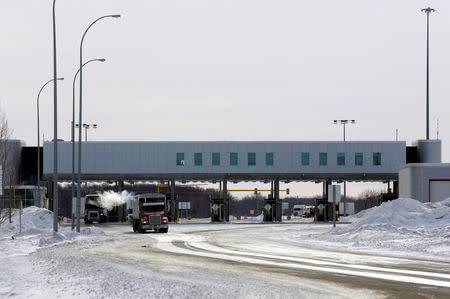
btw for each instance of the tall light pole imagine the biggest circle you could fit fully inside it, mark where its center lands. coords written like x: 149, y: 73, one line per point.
x: 73, y: 131
x: 55, y: 127
x: 428, y: 11
x: 86, y: 127
x: 80, y: 114
x: 37, y: 200
x: 344, y: 122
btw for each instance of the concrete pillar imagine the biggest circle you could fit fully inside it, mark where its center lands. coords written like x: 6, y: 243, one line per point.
x: 277, y: 200
x: 226, y: 202
x: 50, y: 193
x: 326, y: 183
x: 173, y: 207
x: 121, y: 209
x: 395, y: 187
x: 271, y: 189
x: 329, y: 211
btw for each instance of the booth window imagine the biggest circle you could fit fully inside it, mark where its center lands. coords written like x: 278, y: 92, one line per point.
x: 341, y: 159
x: 198, y: 159
x: 233, y: 159
x: 358, y: 159
x: 251, y: 159
x: 305, y: 159
x: 376, y: 158
x: 216, y: 159
x: 180, y: 159
x: 269, y: 159
x: 323, y: 159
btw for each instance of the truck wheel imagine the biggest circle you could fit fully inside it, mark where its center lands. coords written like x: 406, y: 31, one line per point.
x: 163, y: 230
x: 135, y: 226
x: 140, y: 229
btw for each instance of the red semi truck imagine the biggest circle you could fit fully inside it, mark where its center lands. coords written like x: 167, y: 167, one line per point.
x: 149, y: 212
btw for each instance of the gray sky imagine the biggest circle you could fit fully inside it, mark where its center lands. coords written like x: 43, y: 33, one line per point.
x: 229, y: 70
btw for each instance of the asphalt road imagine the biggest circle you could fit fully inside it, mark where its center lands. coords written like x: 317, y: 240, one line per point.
x: 229, y: 260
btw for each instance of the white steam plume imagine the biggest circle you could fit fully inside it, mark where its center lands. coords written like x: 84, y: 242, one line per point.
x: 110, y: 199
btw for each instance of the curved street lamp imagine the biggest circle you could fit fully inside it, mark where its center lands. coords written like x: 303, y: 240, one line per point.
x: 80, y: 116
x: 73, y: 129
x: 37, y: 201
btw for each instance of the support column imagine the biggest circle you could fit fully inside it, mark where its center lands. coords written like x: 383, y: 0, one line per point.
x: 277, y: 200
x: 345, y: 198
x: 121, y: 214
x: 173, y: 207
x: 326, y: 183
x: 395, y: 187
x: 50, y: 192
x: 226, y: 202
x: 271, y: 189
x: 328, y: 211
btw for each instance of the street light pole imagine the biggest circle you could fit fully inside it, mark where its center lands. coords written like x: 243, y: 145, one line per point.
x: 80, y: 114
x: 344, y: 122
x: 86, y: 127
x: 55, y: 128
x: 37, y: 200
x: 73, y: 133
x: 428, y: 10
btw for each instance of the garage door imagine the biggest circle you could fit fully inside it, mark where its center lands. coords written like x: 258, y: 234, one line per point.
x: 439, y: 190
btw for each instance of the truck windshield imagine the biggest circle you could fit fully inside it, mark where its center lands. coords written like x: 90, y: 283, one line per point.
x: 153, y: 208
x: 92, y: 207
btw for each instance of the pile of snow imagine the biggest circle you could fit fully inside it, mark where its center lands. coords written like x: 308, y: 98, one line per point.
x: 403, y: 215
x: 37, y: 229
x: 34, y: 220
x: 404, y: 227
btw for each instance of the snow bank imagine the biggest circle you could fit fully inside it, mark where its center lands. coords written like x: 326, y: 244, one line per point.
x: 37, y: 229
x: 34, y: 220
x: 403, y: 226
x: 404, y: 215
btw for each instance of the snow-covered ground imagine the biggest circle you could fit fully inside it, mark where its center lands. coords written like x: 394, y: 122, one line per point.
x: 238, y: 259
x: 402, y: 227
x: 18, y: 241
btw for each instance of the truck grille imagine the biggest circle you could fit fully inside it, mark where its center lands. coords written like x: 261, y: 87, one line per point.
x: 155, y: 219
x: 93, y: 214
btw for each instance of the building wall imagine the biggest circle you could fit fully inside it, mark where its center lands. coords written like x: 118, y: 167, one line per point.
x: 414, y: 179
x: 160, y: 157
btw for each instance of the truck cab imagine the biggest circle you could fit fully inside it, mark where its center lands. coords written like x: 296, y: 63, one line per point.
x: 299, y: 210
x: 93, y: 212
x: 149, y: 213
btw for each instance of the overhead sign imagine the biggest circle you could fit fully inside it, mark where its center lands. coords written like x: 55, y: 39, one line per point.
x: 184, y: 205
x: 337, y: 190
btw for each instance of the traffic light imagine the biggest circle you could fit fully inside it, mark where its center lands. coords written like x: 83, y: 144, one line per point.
x: 256, y: 191
x: 287, y: 191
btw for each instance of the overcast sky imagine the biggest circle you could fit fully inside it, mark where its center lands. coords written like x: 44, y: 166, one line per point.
x: 230, y: 69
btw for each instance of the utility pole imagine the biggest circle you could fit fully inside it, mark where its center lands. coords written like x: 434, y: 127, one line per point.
x: 344, y: 122
x: 437, y: 130
x: 428, y: 11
